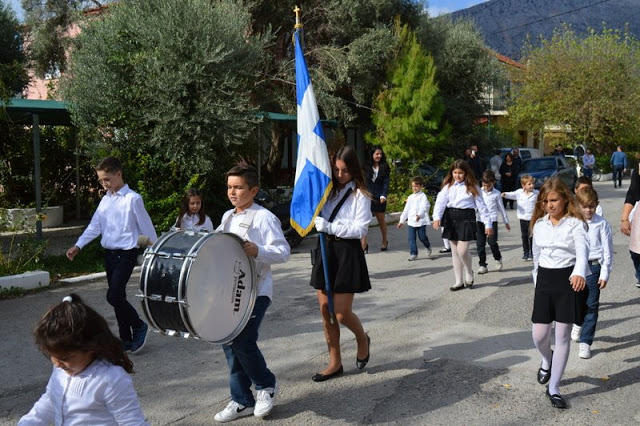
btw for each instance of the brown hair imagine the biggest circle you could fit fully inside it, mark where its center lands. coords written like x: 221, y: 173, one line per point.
x: 469, y: 179
x: 557, y: 185
x: 488, y: 177
x: 587, y: 197
x: 109, y: 165
x: 245, y: 170
x: 184, y: 208
x: 418, y: 180
x: 74, y: 326
x: 350, y: 158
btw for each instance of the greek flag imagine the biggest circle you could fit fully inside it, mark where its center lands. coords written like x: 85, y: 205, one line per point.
x: 313, y: 171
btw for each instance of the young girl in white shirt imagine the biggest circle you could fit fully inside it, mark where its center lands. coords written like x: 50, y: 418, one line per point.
x: 192, y: 216
x: 560, y: 266
x: 526, y: 198
x: 90, y: 382
x: 416, y: 214
x: 455, y: 209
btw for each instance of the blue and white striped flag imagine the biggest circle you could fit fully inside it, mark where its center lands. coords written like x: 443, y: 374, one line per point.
x: 313, y: 170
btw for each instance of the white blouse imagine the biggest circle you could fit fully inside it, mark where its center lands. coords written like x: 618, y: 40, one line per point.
x: 352, y: 220
x: 190, y: 223
x: 417, y: 206
x: 526, y: 202
x: 493, y: 201
x: 102, y: 394
x: 560, y: 246
x: 601, y: 245
x: 456, y: 196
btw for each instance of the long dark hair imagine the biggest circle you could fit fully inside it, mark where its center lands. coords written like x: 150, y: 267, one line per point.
x: 469, y: 179
x: 74, y: 326
x: 383, y: 168
x: 184, y: 207
x: 350, y: 158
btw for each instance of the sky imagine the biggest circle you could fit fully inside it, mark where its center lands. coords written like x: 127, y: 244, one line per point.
x: 436, y: 7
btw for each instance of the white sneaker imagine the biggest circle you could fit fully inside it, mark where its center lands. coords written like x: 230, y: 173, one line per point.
x: 232, y: 411
x: 482, y: 270
x: 499, y: 265
x: 412, y: 258
x: 429, y: 253
x: 638, y: 284
x: 575, y: 333
x: 585, y: 351
x: 264, y: 401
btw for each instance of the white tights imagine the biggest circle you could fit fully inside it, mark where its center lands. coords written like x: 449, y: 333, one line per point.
x: 542, y: 339
x: 461, y: 261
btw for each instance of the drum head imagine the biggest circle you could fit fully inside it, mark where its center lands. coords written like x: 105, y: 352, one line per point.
x: 221, y: 288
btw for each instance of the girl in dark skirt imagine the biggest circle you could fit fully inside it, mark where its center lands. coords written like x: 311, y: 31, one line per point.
x: 348, y: 273
x: 560, y: 266
x: 455, y: 210
x: 377, y: 175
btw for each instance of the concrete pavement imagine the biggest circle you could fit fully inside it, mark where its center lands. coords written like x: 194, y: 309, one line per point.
x: 437, y: 357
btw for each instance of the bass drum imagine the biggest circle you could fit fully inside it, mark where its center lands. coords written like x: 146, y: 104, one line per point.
x: 198, y: 285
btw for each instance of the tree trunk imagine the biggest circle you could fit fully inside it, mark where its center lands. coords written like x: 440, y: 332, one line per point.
x: 276, y: 151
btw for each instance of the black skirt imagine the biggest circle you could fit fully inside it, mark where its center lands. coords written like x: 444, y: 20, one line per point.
x: 378, y: 207
x: 459, y: 224
x: 348, y: 272
x: 555, y: 299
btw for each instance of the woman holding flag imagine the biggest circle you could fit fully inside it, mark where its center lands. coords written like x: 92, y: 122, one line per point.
x: 344, y: 219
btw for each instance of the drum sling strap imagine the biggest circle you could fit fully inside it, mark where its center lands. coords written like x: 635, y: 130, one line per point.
x: 247, y: 220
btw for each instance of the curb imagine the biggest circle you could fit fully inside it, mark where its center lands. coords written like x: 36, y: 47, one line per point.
x: 90, y: 277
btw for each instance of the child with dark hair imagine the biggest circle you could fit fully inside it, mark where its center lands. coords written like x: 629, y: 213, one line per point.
x: 493, y: 201
x: 192, y: 216
x: 416, y: 215
x: 585, y: 182
x: 123, y: 222
x: 90, y: 382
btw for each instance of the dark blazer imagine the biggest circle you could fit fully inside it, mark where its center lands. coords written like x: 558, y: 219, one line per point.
x: 381, y: 185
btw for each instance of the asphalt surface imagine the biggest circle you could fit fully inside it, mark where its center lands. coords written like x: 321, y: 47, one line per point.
x: 437, y: 357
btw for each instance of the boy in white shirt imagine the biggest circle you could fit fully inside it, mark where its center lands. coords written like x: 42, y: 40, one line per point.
x: 600, y: 261
x: 526, y: 198
x: 416, y: 214
x: 492, y: 200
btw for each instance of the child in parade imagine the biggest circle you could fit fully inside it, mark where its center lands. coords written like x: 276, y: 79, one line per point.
x: 455, y: 209
x: 122, y: 221
x: 345, y: 219
x: 90, y: 382
x: 416, y: 214
x: 192, y: 216
x: 493, y: 201
x: 560, y: 266
x: 263, y: 240
x: 586, y: 182
x: 600, y: 262
x: 526, y: 198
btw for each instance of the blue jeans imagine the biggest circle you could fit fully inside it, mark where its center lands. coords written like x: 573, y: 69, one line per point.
x: 635, y: 257
x: 246, y: 363
x: 482, y: 240
x: 422, y: 234
x: 119, y: 266
x: 593, y: 303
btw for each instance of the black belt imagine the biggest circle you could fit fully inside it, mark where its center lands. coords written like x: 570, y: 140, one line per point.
x: 333, y: 238
x: 118, y: 251
x: 458, y: 210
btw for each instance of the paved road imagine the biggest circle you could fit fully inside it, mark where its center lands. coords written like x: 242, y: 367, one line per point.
x: 437, y: 357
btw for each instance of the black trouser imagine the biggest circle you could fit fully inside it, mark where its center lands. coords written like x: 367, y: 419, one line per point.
x: 617, y: 175
x: 119, y: 266
x: 493, y: 243
x: 526, y: 240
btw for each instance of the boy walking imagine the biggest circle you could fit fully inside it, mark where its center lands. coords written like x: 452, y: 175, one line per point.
x: 493, y: 201
x: 416, y: 214
x: 526, y: 198
x: 600, y: 263
x: 264, y: 241
x: 121, y: 219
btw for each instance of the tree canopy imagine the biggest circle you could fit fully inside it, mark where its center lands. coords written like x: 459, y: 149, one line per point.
x: 13, y: 73
x: 591, y: 85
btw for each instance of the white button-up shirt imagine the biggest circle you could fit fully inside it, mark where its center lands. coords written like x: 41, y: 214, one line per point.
x: 493, y: 201
x: 121, y: 219
x: 416, y: 210
x: 560, y: 246
x: 190, y: 223
x: 601, y: 245
x: 456, y: 196
x: 353, y: 218
x: 526, y: 202
x: 102, y: 394
x: 266, y: 232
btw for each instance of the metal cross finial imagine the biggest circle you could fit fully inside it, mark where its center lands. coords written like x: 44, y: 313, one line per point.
x: 297, y: 11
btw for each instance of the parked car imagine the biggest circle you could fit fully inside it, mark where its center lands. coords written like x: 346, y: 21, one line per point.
x: 525, y: 153
x: 544, y: 168
x: 574, y: 161
x: 433, y: 176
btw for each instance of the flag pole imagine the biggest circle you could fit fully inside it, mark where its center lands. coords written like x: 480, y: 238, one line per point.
x: 321, y: 235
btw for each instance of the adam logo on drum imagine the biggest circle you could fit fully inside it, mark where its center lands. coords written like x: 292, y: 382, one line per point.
x: 238, y: 286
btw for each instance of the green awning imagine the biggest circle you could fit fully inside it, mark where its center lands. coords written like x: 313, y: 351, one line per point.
x: 50, y: 112
x: 278, y: 116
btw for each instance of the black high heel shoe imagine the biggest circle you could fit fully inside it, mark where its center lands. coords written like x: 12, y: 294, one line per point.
x: 366, y: 249
x: 361, y: 363
x: 319, y: 377
x: 384, y: 247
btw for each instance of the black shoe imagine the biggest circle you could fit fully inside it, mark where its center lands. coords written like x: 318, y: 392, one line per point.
x: 469, y: 285
x: 319, y: 377
x: 366, y: 249
x: 456, y: 287
x: 545, y: 375
x: 361, y: 363
x: 384, y: 247
x: 445, y: 250
x: 556, y: 400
